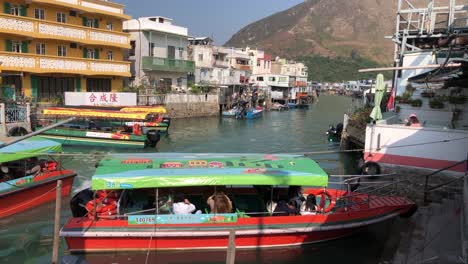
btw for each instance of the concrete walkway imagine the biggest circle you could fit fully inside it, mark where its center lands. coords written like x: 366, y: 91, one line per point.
x: 434, y: 234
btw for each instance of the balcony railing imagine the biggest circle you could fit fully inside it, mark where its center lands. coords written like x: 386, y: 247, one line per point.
x: 220, y: 63
x: 35, y: 28
x: 167, y: 65
x: 91, y: 6
x: 26, y: 62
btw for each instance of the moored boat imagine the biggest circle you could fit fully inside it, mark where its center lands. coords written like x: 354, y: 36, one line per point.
x: 27, y: 181
x: 134, y: 202
x: 98, y: 127
x: 231, y: 112
x: 279, y: 107
x: 254, y: 113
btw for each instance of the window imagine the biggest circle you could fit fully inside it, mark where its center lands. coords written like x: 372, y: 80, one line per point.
x: 132, y: 48
x: 39, y: 13
x: 200, y: 57
x: 61, y: 17
x: 15, y: 10
x: 72, y: 13
x: 40, y: 48
x: 260, y: 78
x: 90, y: 23
x: 258, y: 63
x: 110, y: 55
x: 181, y: 53
x: 62, y: 50
x: 161, y: 20
x: 271, y: 79
x: 91, y: 54
x: 16, y: 46
x: 109, y: 26
x: 151, y: 49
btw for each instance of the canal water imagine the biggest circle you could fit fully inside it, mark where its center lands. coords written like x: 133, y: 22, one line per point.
x: 27, y: 237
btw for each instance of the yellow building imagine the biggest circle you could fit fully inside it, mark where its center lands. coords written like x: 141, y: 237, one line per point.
x: 48, y: 47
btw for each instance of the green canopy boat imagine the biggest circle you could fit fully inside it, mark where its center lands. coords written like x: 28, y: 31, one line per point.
x: 181, y: 170
x: 31, y: 147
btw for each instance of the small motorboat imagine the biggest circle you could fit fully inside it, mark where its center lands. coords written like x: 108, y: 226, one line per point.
x: 254, y: 113
x: 231, y: 113
x: 334, y: 133
x: 279, y: 107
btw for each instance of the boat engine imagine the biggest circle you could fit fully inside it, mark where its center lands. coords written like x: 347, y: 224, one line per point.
x: 334, y: 133
x: 79, y: 201
x: 152, y: 138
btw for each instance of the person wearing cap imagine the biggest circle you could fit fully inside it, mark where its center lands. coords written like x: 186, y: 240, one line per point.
x: 413, y: 121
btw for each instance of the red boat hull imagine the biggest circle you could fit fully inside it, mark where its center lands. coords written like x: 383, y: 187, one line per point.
x: 103, y: 235
x: 36, y: 194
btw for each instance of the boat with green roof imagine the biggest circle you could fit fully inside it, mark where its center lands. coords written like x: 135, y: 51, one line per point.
x: 131, y: 203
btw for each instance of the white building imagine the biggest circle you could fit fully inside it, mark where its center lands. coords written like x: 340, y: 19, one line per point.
x: 217, y: 66
x: 159, y: 53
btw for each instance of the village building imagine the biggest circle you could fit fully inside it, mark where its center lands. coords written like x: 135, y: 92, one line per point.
x: 159, y: 53
x: 51, y: 47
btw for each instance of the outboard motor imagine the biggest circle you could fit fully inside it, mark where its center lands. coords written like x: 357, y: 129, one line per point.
x: 152, y: 138
x: 79, y: 201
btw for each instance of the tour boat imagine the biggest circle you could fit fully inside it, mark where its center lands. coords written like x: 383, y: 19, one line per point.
x: 128, y: 207
x: 27, y: 181
x: 98, y: 127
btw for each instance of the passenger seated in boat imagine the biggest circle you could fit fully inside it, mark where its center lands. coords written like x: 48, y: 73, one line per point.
x: 34, y: 166
x: 285, y: 209
x: 295, y: 195
x: 219, y: 203
x: 5, y: 174
x: 182, y: 205
x: 310, y: 205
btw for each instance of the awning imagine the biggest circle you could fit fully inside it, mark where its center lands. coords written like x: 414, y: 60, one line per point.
x: 132, y: 171
x: 31, y: 147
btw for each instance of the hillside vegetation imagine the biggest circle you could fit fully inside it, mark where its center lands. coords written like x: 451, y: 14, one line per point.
x: 328, y: 69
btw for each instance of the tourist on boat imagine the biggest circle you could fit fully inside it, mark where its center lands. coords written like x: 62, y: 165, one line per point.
x: 413, y: 121
x: 182, y: 205
x: 295, y: 195
x: 219, y: 203
x: 5, y: 173
x: 285, y: 209
x: 310, y: 205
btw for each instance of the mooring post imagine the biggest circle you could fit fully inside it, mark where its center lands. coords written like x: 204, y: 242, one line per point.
x: 231, y: 251
x: 58, y: 208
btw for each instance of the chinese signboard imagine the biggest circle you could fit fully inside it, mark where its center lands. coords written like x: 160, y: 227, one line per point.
x: 100, y: 99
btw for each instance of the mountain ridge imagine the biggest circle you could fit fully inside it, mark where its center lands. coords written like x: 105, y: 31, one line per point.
x: 329, y: 28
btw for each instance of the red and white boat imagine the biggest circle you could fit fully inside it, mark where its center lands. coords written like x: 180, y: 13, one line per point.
x: 26, y: 181
x: 134, y: 211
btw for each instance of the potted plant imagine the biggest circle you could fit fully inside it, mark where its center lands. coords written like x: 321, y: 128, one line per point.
x: 457, y: 99
x: 416, y: 103
x: 436, y: 102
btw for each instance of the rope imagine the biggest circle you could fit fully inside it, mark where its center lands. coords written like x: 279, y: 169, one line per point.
x: 30, y: 201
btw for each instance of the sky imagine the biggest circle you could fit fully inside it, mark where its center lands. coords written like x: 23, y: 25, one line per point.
x: 219, y: 19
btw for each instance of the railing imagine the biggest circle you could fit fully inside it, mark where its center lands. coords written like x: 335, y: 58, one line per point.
x: 428, y: 189
x: 219, y: 63
x: 167, y: 65
x: 30, y: 27
x: 54, y: 64
x: 16, y: 113
x: 102, y: 7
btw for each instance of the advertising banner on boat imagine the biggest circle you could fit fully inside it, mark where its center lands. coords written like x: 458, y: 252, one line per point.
x: 182, y: 219
x: 100, y: 99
